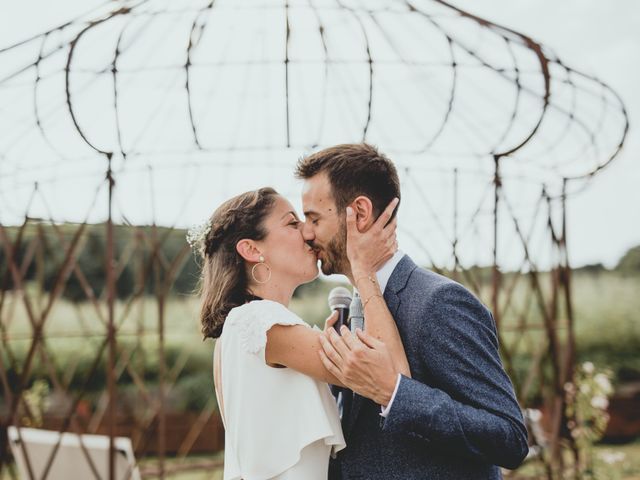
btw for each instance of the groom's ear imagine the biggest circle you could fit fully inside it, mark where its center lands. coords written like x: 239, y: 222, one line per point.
x: 248, y: 250
x: 363, y: 209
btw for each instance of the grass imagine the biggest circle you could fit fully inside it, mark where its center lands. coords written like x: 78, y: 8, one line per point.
x: 612, y: 462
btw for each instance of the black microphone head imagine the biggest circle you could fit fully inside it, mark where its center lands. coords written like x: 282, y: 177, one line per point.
x: 339, y: 297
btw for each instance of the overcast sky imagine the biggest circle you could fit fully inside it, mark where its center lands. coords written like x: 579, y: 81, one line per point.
x: 602, y: 38
x: 598, y: 37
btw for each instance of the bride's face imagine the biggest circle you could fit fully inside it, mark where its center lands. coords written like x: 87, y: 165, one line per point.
x: 284, y: 248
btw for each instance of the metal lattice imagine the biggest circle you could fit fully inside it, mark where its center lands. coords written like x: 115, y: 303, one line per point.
x: 151, y: 113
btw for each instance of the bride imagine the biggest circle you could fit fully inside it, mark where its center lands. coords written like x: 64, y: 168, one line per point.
x: 281, y: 420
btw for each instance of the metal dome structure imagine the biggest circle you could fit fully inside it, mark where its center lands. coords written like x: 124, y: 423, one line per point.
x: 150, y: 112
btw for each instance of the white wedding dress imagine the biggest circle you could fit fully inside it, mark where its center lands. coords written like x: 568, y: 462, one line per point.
x: 279, y: 423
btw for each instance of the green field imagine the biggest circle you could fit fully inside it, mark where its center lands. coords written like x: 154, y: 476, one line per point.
x: 606, y: 307
x: 607, y: 323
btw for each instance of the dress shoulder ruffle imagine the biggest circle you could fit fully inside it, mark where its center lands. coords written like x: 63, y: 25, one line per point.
x: 254, y: 319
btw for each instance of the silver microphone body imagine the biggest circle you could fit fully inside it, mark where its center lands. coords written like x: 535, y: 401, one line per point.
x: 356, y: 313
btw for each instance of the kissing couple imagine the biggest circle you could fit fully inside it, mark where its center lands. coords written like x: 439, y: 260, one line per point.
x: 424, y: 394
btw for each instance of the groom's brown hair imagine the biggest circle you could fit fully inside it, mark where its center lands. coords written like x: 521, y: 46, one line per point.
x: 354, y: 169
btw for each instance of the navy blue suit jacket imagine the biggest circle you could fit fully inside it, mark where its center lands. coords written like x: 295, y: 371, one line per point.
x: 457, y: 417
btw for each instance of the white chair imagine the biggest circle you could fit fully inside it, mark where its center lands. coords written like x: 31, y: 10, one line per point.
x: 70, y: 461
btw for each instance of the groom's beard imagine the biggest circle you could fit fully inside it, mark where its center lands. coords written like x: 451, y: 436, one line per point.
x: 334, y: 255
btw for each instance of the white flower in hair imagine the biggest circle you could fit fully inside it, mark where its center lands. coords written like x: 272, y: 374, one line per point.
x: 197, y: 235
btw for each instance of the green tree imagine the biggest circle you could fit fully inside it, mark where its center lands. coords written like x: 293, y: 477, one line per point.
x: 630, y: 262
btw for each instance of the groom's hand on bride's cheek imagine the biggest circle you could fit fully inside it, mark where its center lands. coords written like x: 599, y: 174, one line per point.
x: 360, y: 362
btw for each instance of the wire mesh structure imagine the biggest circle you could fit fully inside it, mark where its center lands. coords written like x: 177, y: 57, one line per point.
x: 149, y: 113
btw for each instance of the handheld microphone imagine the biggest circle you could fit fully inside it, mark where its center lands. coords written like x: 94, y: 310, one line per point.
x: 356, y: 314
x: 339, y: 300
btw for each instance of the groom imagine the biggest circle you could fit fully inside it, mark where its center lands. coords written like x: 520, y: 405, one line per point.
x: 457, y: 416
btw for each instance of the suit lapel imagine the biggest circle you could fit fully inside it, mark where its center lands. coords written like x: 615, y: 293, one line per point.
x: 397, y: 282
x: 393, y: 301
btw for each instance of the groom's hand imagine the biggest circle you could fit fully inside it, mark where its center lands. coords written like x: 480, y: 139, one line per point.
x: 361, y: 362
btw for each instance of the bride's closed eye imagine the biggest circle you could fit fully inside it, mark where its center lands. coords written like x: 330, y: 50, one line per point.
x: 294, y: 222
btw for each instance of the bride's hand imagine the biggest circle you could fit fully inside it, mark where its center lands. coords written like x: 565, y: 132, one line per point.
x: 368, y: 251
x: 330, y: 321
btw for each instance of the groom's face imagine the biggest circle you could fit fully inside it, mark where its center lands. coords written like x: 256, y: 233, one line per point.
x: 325, y: 227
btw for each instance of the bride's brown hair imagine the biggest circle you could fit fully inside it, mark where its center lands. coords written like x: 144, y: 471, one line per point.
x: 224, y: 281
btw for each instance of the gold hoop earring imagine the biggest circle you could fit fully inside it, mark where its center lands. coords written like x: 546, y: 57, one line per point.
x: 253, y: 271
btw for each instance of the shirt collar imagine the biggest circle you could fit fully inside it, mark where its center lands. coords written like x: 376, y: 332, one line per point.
x: 384, y: 273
